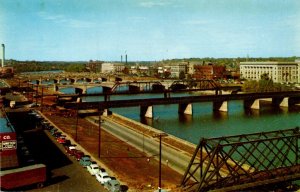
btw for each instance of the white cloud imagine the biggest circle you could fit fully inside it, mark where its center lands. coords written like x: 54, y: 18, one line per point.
x: 62, y: 19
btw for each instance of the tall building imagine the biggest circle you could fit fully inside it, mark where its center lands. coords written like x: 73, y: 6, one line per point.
x: 177, y: 68
x: 279, y: 72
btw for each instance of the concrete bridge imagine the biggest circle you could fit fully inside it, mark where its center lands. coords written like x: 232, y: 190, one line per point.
x: 185, y: 104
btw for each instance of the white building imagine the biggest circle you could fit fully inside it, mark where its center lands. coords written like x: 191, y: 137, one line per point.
x: 176, y: 68
x: 112, y: 67
x: 279, y: 72
x: 107, y: 67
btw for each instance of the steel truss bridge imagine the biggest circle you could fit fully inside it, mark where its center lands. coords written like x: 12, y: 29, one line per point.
x: 243, y: 162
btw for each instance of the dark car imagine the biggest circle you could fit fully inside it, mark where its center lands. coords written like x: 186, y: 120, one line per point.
x: 67, y: 143
x: 78, y: 154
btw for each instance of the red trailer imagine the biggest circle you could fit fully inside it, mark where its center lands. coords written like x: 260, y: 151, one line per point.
x: 19, y: 177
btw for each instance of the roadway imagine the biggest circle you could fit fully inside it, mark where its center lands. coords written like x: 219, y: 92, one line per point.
x: 177, y: 159
x: 173, y: 157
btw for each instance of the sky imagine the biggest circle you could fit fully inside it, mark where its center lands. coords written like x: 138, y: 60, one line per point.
x: 148, y: 30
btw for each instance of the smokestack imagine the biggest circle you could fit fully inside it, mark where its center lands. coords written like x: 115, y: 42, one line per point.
x: 121, y: 58
x: 126, y: 59
x: 3, y: 55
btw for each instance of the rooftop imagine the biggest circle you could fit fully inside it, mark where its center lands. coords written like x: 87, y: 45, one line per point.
x: 267, y: 63
x: 5, y: 125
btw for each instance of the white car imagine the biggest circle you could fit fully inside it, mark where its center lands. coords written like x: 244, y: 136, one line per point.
x: 93, y: 169
x: 102, y: 177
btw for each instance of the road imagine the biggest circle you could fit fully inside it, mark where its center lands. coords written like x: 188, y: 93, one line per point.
x: 174, y: 158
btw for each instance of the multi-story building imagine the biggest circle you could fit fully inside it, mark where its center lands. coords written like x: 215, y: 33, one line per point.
x: 279, y: 72
x: 177, y: 68
x: 112, y: 67
x: 208, y: 72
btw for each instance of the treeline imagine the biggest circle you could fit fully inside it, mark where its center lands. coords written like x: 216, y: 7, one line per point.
x: 81, y: 66
x: 25, y: 66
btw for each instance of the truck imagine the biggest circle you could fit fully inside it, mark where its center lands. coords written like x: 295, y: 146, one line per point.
x: 23, y: 176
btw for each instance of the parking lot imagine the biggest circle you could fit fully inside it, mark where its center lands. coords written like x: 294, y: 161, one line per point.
x: 64, y: 173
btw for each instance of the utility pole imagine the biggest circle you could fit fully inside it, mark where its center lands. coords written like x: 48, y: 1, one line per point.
x: 77, y: 108
x: 160, y: 135
x: 99, y: 135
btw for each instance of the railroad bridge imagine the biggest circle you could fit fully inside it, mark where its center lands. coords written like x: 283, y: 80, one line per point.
x: 243, y: 162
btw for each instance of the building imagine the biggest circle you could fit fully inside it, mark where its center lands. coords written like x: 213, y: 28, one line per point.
x: 8, y: 143
x: 112, y: 67
x: 208, y: 72
x: 279, y: 72
x: 178, y: 68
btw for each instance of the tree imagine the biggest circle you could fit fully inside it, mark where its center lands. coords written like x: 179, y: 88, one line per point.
x: 265, y: 76
x: 181, y: 75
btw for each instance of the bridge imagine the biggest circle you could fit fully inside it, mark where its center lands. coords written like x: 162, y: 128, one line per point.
x: 138, y: 86
x: 243, y: 162
x: 220, y: 102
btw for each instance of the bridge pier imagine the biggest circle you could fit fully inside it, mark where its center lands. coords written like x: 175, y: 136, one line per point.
x: 280, y: 102
x: 220, y: 106
x: 84, y: 90
x: 251, y: 104
x: 106, y: 112
x: 185, y: 108
x: 167, y: 95
x: 146, y: 111
x: 55, y: 87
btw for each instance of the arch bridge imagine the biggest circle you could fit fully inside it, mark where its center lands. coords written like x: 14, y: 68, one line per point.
x: 243, y: 162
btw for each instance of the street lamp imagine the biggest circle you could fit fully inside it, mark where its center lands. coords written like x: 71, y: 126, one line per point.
x: 160, y: 135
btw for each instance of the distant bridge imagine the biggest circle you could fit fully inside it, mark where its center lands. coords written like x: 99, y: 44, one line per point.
x: 243, y: 162
x: 140, y: 87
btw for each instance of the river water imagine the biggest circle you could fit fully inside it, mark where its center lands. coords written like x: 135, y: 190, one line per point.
x: 204, y: 122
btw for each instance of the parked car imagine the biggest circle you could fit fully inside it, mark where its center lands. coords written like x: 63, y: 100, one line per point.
x: 70, y: 149
x: 67, y: 143
x: 85, y: 161
x: 102, y: 177
x: 93, y: 169
x: 61, y: 139
x: 57, y: 134
x: 53, y: 131
x: 78, y: 154
x: 112, y: 185
x: 102, y: 171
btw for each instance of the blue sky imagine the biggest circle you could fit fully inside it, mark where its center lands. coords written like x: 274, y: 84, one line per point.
x: 70, y: 30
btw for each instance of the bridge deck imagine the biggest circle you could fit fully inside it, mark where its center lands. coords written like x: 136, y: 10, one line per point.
x: 175, y: 100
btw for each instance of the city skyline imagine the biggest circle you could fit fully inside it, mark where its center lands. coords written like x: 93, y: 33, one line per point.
x: 148, y: 30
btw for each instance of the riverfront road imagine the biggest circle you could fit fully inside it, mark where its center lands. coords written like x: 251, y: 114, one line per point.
x: 173, y: 157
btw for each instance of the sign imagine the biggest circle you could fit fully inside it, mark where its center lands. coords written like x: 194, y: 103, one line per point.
x: 9, y: 145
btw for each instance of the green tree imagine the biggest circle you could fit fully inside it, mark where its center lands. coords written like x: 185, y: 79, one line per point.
x: 181, y: 75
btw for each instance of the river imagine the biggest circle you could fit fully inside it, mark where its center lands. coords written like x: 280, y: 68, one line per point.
x: 204, y: 122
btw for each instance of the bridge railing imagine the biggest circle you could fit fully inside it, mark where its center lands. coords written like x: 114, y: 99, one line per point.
x: 244, y: 161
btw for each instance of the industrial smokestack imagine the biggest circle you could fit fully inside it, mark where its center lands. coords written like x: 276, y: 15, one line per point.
x: 121, y: 58
x: 126, y: 59
x: 3, y: 55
